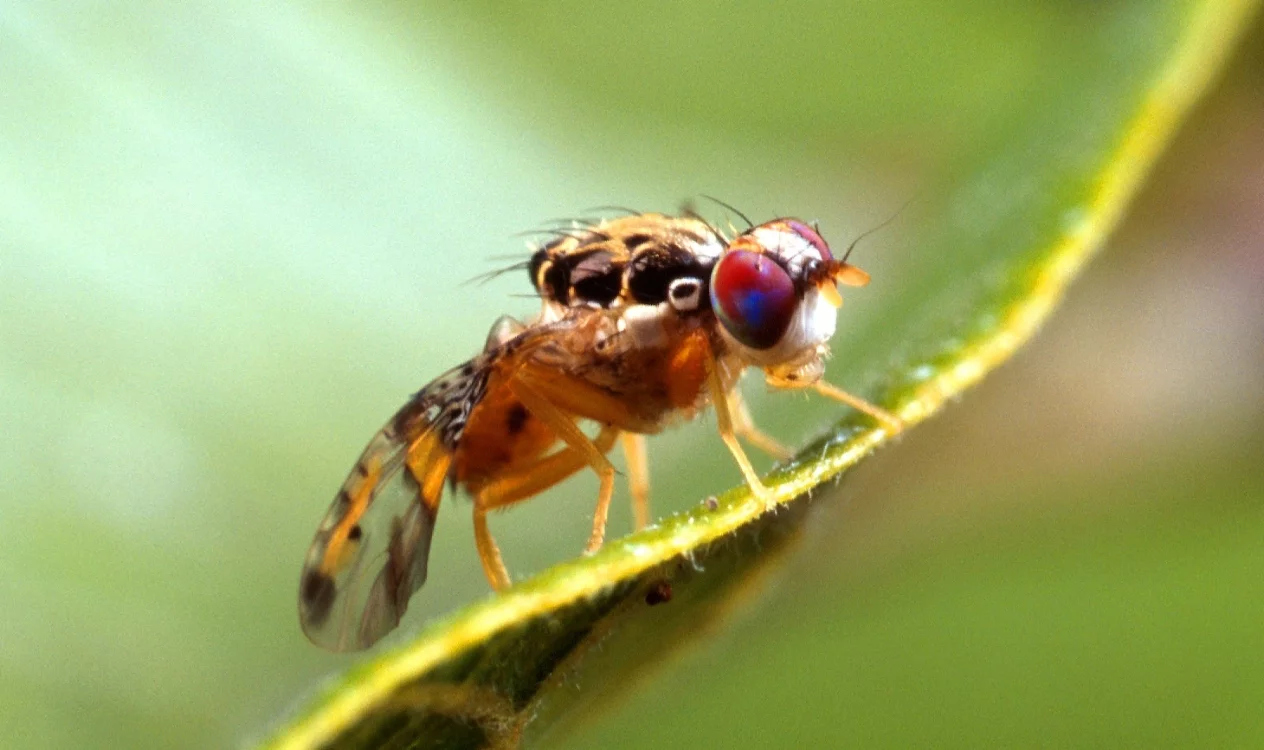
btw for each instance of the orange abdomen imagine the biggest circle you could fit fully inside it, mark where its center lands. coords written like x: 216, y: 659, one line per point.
x: 500, y: 435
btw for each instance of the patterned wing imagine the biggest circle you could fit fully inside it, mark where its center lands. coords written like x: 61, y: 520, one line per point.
x: 371, y: 550
x: 370, y: 553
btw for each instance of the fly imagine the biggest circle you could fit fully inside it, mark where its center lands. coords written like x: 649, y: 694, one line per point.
x: 645, y: 320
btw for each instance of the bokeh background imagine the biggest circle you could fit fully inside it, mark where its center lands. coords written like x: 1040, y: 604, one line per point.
x: 233, y: 238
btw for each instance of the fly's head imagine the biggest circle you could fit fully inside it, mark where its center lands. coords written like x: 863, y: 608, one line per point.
x: 775, y: 295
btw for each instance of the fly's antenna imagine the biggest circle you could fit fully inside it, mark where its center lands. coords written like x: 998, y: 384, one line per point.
x: 883, y: 225
x: 749, y: 224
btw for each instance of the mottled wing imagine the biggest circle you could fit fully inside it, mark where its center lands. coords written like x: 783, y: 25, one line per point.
x: 371, y: 550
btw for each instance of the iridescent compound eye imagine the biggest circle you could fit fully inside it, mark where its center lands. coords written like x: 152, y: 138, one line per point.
x: 753, y: 297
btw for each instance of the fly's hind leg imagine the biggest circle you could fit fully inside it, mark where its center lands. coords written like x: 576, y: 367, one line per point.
x: 488, y: 553
x: 520, y: 485
x: 638, y: 477
x: 565, y: 428
x: 891, y: 422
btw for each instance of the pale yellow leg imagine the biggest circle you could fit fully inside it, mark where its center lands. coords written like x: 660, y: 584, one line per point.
x: 893, y: 423
x: 569, y: 433
x: 638, y: 477
x: 724, y: 422
x: 488, y: 553
x: 745, y: 427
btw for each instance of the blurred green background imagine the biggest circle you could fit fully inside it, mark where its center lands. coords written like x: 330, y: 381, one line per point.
x: 232, y: 240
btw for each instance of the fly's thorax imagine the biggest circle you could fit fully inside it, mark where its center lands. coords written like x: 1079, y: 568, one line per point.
x: 634, y: 260
x: 629, y: 329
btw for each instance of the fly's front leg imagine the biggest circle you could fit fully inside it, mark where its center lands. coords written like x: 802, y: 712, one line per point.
x: 745, y: 427
x: 724, y: 423
x: 891, y: 422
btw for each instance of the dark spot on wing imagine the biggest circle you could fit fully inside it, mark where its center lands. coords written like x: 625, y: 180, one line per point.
x: 355, y: 533
x: 410, y: 416
x: 317, y: 595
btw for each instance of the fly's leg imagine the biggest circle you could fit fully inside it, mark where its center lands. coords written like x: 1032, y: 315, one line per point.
x: 638, y: 477
x: 569, y: 394
x: 520, y: 485
x: 724, y: 422
x: 745, y: 427
x: 893, y: 424
x: 566, y: 429
x: 488, y: 553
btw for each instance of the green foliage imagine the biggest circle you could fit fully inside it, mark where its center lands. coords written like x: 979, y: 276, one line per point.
x: 1000, y: 240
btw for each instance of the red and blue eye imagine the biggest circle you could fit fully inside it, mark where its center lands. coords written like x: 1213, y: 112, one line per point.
x: 753, y: 297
